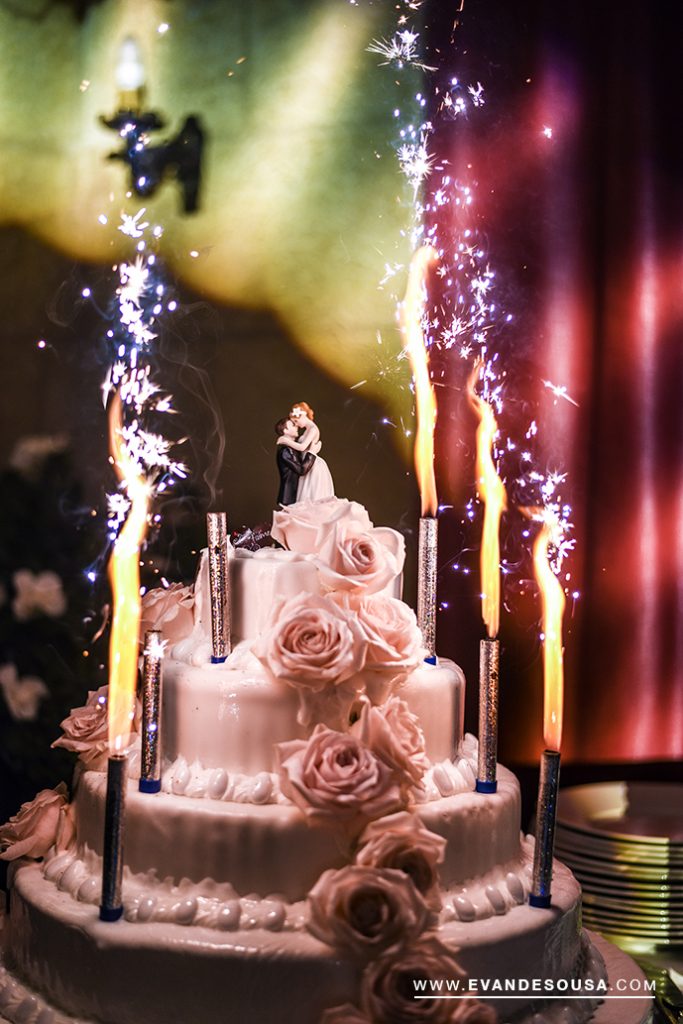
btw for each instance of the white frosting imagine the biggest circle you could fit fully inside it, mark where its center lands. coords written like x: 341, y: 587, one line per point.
x: 226, y: 716
x: 59, y: 942
x: 230, y: 716
x: 254, y: 848
x: 481, y: 829
x: 270, y: 848
x: 198, y: 782
x: 528, y: 942
x: 258, y: 579
x: 21, y: 1004
x: 217, y: 905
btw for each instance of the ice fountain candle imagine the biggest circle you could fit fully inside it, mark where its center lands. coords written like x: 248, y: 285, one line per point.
x: 411, y: 318
x: 124, y: 570
x: 217, y: 542
x: 491, y: 491
x: 553, y: 602
x: 150, y: 768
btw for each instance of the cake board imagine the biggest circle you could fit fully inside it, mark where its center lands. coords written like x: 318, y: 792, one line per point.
x: 621, y: 965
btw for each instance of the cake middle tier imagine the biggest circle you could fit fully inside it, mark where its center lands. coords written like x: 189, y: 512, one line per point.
x: 270, y: 849
x: 231, y: 716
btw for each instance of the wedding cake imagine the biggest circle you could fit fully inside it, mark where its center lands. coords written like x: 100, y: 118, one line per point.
x: 317, y: 853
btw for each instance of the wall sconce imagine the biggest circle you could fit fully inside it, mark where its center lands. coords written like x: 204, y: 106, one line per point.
x: 179, y: 157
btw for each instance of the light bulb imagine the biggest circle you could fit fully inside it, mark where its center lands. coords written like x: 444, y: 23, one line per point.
x: 130, y: 69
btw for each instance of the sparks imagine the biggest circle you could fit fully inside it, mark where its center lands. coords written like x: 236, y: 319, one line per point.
x: 469, y: 319
x: 155, y: 648
x: 131, y: 226
x: 401, y: 49
x: 148, y: 452
x: 415, y: 161
x: 560, y: 391
x: 134, y: 278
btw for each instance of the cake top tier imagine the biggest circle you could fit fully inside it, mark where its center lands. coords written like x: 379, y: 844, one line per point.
x: 327, y: 547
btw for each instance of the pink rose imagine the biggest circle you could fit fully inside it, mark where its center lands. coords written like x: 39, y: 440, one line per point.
x: 22, y: 696
x: 393, y: 732
x: 170, y: 609
x: 365, y: 911
x: 37, y: 594
x: 390, y: 984
x: 346, y: 1014
x: 39, y: 824
x: 334, y: 778
x: 85, y: 731
x: 304, y: 526
x: 395, y: 646
x: 471, y: 1011
x: 318, y: 648
x: 350, y: 553
x: 401, y: 842
x: 360, y: 561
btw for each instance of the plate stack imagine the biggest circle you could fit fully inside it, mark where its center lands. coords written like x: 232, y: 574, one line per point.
x: 624, y: 843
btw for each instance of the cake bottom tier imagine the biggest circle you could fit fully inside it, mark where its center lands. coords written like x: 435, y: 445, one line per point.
x: 163, y: 973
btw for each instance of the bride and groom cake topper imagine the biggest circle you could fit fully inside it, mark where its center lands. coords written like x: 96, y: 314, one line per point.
x: 304, y: 475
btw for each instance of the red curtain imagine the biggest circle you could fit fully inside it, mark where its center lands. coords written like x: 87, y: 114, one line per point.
x: 577, y: 165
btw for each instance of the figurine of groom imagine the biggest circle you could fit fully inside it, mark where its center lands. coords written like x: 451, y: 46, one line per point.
x: 291, y: 464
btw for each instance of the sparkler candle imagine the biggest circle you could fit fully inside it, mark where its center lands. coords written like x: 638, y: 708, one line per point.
x: 491, y: 491
x: 217, y: 539
x: 123, y: 652
x: 111, y: 905
x: 553, y: 601
x: 150, y: 773
x: 411, y: 314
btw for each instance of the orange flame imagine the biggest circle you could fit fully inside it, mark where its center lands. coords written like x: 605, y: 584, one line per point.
x: 411, y: 312
x: 553, y: 601
x: 490, y: 490
x: 124, y: 573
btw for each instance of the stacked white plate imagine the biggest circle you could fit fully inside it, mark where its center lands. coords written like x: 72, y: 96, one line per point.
x: 624, y: 843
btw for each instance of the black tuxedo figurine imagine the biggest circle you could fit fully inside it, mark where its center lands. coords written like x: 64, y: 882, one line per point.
x: 291, y: 464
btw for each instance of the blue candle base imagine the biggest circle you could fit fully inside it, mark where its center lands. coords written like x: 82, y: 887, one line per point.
x: 430, y: 659
x: 486, y: 787
x: 149, y: 785
x: 111, y: 913
x: 218, y: 661
x: 543, y: 902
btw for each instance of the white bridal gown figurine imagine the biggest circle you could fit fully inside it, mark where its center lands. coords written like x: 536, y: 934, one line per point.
x: 317, y: 483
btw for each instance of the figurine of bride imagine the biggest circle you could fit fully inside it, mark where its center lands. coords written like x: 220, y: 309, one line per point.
x: 318, y: 482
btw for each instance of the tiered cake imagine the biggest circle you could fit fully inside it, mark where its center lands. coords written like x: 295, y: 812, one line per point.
x: 317, y: 848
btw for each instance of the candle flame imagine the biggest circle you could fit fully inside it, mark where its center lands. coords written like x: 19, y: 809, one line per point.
x: 553, y: 602
x: 124, y: 572
x: 490, y: 490
x: 411, y: 313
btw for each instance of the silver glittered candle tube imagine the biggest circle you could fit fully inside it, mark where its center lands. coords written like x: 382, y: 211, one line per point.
x: 111, y: 906
x: 217, y: 540
x: 426, y: 583
x: 150, y: 771
x: 546, y: 814
x: 489, y: 655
